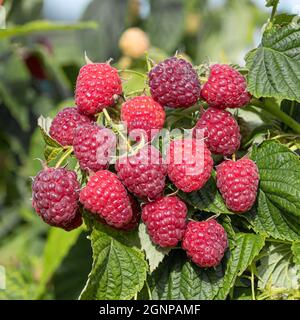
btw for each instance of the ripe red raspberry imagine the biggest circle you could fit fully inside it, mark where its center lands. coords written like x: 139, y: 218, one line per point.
x: 225, y: 88
x: 64, y: 123
x: 189, y: 164
x: 55, y: 194
x: 238, y: 183
x: 143, y: 113
x: 144, y: 173
x: 93, y: 146
x: 98, y: 86
x: 105, y: 196
x: 205, y: 242
x: 136, y: 215
x: 174, y: 83
x: 220, y: 130
x: 165, y: 220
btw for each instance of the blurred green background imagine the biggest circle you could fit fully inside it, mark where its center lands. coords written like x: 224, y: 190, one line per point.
x: 41, y: 51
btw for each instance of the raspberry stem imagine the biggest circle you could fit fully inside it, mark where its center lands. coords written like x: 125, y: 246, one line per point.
x: 115, y: 128
x: 64, y: 157
x: 273, y: 108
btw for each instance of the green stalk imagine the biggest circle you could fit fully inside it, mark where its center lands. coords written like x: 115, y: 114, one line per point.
x: 64, y: 156
x: 274, y: 109
x: 274, y: 10
x: 115, y: 128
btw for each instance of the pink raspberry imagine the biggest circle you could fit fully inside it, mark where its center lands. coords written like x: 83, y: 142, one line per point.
x: 220, y: 130
x: 205, y: 242
x: 98, y: 86
x: 65, y: 122
x: 165, y: 219
x: 174, y: 83
x: 190, y: 164
x: 225, y: 88
x: 144, y: 173
x: 93, y: 146
x: 105, y: 196
x: 143, y: 113
x: 55, y: 198
x: 238, y: 183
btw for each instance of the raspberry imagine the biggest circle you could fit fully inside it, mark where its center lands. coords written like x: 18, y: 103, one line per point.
x: 134, y: 42
x: 190, y: 164
x: 221, y: 131
x: 64, y: 123
x: 174, y: 83
x: 225, y: 88
x: 165, y: 220
x: 238, y: 182
x: 144, y: 173
x: 98, y: 86
x: 55, y: 198
x: 205, y: 242
x: 93, y: 146
x: 105, y: 196
x: 136, y: 215
x: 143, y: 113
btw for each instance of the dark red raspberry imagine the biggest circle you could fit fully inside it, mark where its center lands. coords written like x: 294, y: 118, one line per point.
x: 144, y: 173
x: 189, y: 164
x: 165, y: 220
x: 93, y: 146
x: 143, y: 113
x: 238, y: 183
x: 225, y: 88
x: 221, y: 131
x: 136, y: 215
x: 205, y: 242
x: 105, y: 196
x: 64, y: 123
x: 174, y: 83
x: 55, y: 194
x: 98, y: 86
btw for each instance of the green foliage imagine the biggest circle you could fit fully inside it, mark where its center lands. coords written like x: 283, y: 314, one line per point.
x: 42, y: 26
x: 57, y: 247
x: 207, y: 199
x: 119, y: 270
x: 278, y: 197
x: 165, y: 25
x: 153, y: 253
x: 277, y: 273
x: 274, y: 67
x: 178, y: 278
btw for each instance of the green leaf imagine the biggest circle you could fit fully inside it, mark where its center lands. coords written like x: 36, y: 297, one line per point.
x: 42, y: 26
x: 296, y: 252
x: 52, y: 148
x: 206, y: 199
x: 271, y: 3
x: 154, y: 254
x: 278, y: 205
x: 178, y: 278
x: 119, y: 270
x: 276, y: 269
x: 70, y: 277
x: 58, y: 244
x: 274, y: 67
x: 247, y: 247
